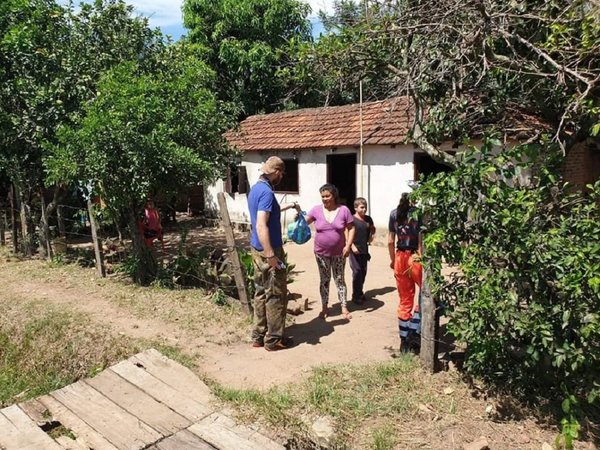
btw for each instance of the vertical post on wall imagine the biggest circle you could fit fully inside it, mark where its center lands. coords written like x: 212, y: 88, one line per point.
x: 429, y: 324
x: 236, y: 264
x: 97, y: 247
x: 361, y: 165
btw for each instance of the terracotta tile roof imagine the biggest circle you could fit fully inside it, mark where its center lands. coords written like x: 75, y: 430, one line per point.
x: 384, y: 122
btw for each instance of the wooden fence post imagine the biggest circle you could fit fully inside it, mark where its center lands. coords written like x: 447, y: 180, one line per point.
x: 97, y: 247
x: 236, y: 264
x: 429, y: 325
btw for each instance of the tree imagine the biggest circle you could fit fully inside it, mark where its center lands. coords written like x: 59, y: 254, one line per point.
x: 468, y: 65
x: 150, y: 129
x: 51, y: 59
x: 247, y: 43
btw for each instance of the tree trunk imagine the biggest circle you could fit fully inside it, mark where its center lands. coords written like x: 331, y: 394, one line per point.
x: 13, y: 218
x: 60, y: 217
x: 2, y: 227
x: 47, y: 211
x: 44, y: 248
x: 26, y: 222
x: 146, y: 268
x: 97, y: 245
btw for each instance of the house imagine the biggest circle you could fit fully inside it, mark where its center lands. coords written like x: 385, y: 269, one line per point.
x: 323, y: 145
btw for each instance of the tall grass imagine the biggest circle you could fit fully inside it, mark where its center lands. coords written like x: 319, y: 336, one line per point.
x: 43, y: 349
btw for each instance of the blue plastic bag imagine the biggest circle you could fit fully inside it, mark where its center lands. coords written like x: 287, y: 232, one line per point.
x: 299, y: 231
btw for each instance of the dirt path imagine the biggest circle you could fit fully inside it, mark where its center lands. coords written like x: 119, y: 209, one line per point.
x: 369, y: 336
x: 222, y: 350
x: 218, y: 341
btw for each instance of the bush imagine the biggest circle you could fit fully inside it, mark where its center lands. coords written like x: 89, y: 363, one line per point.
x: 525, y: 298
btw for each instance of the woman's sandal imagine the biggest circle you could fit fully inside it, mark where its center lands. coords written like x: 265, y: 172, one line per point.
x: 346, y: 314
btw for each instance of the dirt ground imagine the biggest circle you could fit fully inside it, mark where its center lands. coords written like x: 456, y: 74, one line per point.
x: 224, y: 354
x: 369, y: 336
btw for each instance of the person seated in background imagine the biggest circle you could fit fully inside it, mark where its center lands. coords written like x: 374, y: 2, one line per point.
x: 151, y: 226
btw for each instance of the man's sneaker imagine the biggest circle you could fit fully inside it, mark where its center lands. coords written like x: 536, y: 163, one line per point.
x: 282, y: 344
x: 259, y: 343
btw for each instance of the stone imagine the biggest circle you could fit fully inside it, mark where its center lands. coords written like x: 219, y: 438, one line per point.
x: 546, y: 446
x: 322, y: 432
x: 479, y: 444
x: 294, y: 308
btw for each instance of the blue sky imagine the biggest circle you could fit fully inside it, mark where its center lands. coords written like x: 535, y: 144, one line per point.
x: 166, y: 14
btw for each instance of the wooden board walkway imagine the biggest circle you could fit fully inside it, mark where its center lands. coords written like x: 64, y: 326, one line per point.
x: 146, y: 402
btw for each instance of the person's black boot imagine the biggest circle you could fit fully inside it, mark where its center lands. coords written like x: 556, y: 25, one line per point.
x: 404, y: 345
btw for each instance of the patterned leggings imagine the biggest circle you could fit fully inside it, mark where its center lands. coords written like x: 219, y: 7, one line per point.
x: 328, y: 266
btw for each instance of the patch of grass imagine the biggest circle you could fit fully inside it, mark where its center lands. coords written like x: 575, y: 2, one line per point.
x: 43, y: 349
x: 387, y: 393
x: 273, y: 405
x: 384, y: 438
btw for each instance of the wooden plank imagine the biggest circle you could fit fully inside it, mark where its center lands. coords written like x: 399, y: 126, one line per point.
x: 119, y: 427
x: 138, y: 403
x: 222, y: 432
x: 236, y: 264
x: 175, y: 375
x: 183, y: 439
x: 69, y: 444
x: 178, y: 402
x: 19, y: 432
x: 40, y: 414
x: 85, y: 434
x: 36, y: 411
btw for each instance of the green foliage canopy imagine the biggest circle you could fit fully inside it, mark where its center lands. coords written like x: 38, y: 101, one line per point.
x: 247, y: 43
x: 469, y: 65
x: 146, y: 131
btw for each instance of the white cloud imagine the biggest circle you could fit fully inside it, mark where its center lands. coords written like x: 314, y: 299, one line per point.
x: 163, y: 13
x: 317, y: 5
x: 160, y: 13
x: 168, y: 12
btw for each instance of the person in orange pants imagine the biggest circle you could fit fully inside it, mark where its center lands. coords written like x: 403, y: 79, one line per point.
x: 404, y: 244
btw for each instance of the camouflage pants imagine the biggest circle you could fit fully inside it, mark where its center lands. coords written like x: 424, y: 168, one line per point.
x: 270, y: 299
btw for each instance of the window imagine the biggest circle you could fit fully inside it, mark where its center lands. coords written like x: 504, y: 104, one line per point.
x: 290, y: 181
x: 237, y: 181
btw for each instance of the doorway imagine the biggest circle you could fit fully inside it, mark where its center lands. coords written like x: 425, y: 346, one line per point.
x: 425, y: 165
x: 341, y: 172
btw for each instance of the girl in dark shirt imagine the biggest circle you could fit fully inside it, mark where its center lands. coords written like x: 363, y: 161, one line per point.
x: 359, y: 257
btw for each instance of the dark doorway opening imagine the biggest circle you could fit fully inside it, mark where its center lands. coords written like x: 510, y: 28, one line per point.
x: 341, y: 172
x: 425, y: 165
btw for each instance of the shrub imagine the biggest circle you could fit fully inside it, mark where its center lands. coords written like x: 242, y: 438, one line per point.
x: 525, y: 297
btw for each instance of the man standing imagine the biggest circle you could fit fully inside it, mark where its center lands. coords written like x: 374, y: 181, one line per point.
x: 270, y: 299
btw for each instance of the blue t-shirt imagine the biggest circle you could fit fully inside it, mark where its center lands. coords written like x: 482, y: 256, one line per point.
x: 262, y: 198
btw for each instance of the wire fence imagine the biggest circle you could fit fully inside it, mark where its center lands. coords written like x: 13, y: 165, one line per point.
x: 190, y: 257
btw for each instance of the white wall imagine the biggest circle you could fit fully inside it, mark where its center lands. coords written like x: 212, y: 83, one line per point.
x: 386, y: 174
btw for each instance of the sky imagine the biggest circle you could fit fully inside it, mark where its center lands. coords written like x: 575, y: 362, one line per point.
x: 166, y: 14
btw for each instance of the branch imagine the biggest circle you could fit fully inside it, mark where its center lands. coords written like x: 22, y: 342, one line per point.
x: 423, y: 143
x: 548, y: 58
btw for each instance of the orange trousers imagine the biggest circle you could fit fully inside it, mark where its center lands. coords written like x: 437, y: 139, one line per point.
x: 407, y: 274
